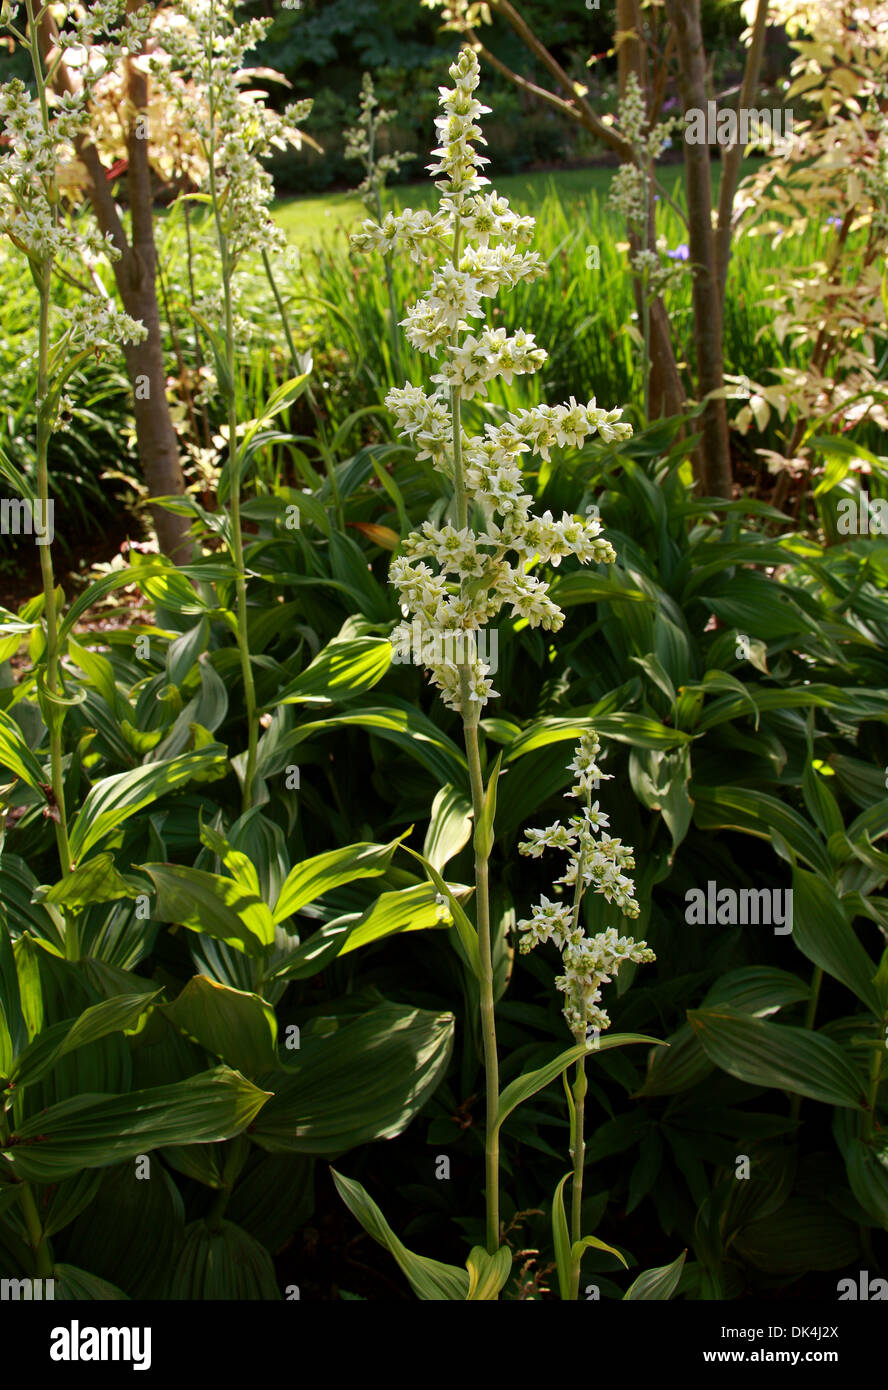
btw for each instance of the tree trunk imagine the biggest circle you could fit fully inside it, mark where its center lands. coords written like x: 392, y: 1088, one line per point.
x: 157, y: 440
x: 667, y: 393
x: 134, y: 274
x: 684, y: 15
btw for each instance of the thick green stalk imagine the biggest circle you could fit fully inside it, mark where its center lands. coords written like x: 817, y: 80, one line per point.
x: 488, y: 1019
x: 237, y: 540
x: 579, y: 1160
x: 243, y: 635
x: 482, y: 884
x: 579, y: 1099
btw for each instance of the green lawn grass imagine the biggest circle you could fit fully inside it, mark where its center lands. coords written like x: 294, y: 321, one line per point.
x: 320, y: 217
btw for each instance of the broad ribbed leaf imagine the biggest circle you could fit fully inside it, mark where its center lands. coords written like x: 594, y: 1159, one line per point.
x: 308, y: 880
x: 114, y: 799
x: 79, y: 1286
x: 771, y: 1054
x: 659, y: 1283
x: 821, y: 929
x: 867, y: 1166
x: 114, y: 1015
x: 805, y: 1234
x: 450, y: 826
x: 13, y: 1030
x: 561, y: 1241
x: 213, y: 904
x: 757, y: 989
x: 132, y: 1231
x: 94, y: 1131
x: 223, y: 1263
x: 758, y: 814
x: 94, y: 880
x: 429, y: 1279
x: 488, y: 1274
x: 417, y: 908
x: 363, y: 1078
x: 464, y: 928
x: 240, y: 1028
x: 402, y: 724
x: 16, y: 755
x: 341, y: 669
x: 523, y: 1087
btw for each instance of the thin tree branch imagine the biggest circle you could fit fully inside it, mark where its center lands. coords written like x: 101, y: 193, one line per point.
x: 733, y: 157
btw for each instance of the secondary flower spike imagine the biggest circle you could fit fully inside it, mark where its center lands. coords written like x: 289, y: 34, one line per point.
x: 456, y: 578
x: 596, y: 861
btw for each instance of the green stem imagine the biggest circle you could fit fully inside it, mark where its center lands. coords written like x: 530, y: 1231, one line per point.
x: 235, y: 1158
x: 810, y: 1014
x: 488, y: 1020
x: 55, y: 713
x: 579, y: 1160
x: 579, y: 1098
x: 285, y: 321
x: 36, y: 1238
x: 875, y: 1078
x: 482, y: 884
x: 237, y: 540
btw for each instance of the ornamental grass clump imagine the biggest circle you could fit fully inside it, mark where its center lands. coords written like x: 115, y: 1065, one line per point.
x: 453, y: 579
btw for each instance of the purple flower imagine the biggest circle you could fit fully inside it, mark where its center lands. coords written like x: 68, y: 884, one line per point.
x: 834, y: 222
x: 681, y: 253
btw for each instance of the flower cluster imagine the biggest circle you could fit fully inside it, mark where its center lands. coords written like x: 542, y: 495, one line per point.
x: 39, y: 141
x: 199, y: 65
x: 597, y: 862
x: 457, y: 578
x: 39, y: 136
x: 360, y: 143
x: 629, y: 192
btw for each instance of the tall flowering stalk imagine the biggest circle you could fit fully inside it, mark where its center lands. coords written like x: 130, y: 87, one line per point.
x: 596, y: 861
x: 204, y: 43
x: 453, y: 580
x: 632, y: 194
x: 39, y: 135
x: 362, y: 142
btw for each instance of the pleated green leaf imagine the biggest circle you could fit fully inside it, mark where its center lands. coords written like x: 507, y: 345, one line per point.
x: 94, y: 1131
x: 523, y: 1087
x: 659, y: 1283
x: 114, y: 799
x: 429, y: 1279
x: 237, y: 1026
x: 315, y: 876
x: 213, y: 904
x: 363, y: 1077
x: 771, y: 1054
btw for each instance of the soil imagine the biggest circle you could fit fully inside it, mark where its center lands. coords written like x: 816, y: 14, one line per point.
x: 72, y: 564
